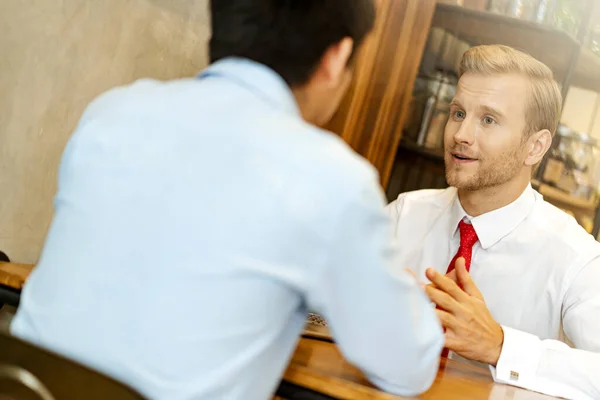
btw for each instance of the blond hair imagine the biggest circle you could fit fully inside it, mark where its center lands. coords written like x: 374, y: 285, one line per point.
x: 545, y: 100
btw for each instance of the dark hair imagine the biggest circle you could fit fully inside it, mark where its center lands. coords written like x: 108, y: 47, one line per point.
x: 289, y: 36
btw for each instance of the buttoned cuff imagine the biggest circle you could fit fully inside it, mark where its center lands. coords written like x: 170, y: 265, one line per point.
x: 519, y: 358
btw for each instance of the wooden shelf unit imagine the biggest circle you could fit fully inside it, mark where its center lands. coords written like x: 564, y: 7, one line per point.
x: 571, y: 63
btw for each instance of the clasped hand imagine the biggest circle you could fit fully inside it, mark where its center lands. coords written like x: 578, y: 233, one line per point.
x: 470, y: 329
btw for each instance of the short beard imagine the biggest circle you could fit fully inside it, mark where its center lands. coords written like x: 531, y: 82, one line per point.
x: 497, y: 171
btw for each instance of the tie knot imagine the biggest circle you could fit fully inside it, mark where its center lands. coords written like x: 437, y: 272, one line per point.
x: 468, y: 236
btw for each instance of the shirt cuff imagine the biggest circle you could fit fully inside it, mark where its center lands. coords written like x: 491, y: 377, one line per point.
x: 519, y: 358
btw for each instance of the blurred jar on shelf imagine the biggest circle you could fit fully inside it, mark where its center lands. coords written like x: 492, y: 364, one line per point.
x: 499, y: 6
x: 523, y: 9
x: 567, y: 15
x: 573, y: 164
x: 479, y: 5
x: 593, y: 39
x: 544, y: 11
x: 540, y: 11
x: 434, y: 134
x: 430, y: 109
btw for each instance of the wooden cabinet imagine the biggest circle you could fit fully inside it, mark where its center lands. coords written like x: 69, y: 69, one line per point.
x: 374, y: 110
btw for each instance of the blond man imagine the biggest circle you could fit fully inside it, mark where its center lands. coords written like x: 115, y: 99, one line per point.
x: 514, y: 278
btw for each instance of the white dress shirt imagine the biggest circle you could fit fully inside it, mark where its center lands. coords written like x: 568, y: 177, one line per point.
x: 539, y: 272
x: 196, y: 222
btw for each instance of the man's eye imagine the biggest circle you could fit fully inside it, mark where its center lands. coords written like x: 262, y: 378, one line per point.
x: 459, y: 114
x: 489, y: 121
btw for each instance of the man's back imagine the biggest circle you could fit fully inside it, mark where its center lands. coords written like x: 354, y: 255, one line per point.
x: 195, y: 223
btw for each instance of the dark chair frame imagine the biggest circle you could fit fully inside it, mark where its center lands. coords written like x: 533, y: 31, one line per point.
x: 45, y: 372
x: 8, y: 295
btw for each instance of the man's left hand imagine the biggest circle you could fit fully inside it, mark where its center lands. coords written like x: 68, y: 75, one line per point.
x: 471, y: 331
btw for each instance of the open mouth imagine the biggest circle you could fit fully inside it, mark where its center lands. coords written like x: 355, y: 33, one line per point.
x: 462, y: 158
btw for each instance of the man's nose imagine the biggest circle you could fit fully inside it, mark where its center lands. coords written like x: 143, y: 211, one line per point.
x: 466, y: 133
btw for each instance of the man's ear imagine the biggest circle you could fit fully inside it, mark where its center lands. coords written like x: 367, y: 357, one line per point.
x: 334, y: 63
x: 538, y: 144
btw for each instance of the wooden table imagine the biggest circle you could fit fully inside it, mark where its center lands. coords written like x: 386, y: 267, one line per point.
x: 318, y: 365
x: 14, y: 275
x: 12, y: 279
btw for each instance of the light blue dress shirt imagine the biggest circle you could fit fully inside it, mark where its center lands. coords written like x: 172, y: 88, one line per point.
x: 197, y: 221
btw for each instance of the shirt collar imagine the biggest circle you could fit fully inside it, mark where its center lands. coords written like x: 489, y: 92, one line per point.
x: 257, y: 78
x: 491, y: 227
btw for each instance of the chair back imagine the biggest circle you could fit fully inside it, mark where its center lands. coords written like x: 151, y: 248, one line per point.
x: 28, y: 372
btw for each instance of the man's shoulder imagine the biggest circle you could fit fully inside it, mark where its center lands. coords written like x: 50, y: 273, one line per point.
x: 324, y: 152
x: 563, y: 230
x: 138, y: 92
x: 346, y: 161
x: 350, y: 175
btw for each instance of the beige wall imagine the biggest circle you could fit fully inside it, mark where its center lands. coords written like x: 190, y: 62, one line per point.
x: 578, y: 112
x: 55, y: 56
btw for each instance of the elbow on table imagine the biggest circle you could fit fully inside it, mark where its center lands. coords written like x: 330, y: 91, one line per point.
x: 415, y: 379
x: 422, y: 376
x: 413, y: 370
x: 426, y: 358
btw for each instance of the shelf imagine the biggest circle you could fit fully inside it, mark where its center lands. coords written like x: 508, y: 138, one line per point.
x: 587, y: 72
x: 482, y: 27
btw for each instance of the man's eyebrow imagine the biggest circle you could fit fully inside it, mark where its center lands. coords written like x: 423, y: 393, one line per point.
x: 491, y: 110
x: 455, y: 102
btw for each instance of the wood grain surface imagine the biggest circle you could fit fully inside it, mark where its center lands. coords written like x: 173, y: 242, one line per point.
x: 14, y: 275
x: 318, y: 365
x: 374, y: 110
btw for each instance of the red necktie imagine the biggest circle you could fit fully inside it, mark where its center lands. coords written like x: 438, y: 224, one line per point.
x: 468, y: 238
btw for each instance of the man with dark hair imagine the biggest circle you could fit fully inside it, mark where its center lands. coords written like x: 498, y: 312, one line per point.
x: 197, y: 221
x: 292, y: 37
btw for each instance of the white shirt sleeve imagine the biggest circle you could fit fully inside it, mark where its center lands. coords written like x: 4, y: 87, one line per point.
x: 377, y: 313
x: 551, y: 366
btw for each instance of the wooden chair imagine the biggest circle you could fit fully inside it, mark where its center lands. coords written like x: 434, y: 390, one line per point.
x: 28, y: 372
